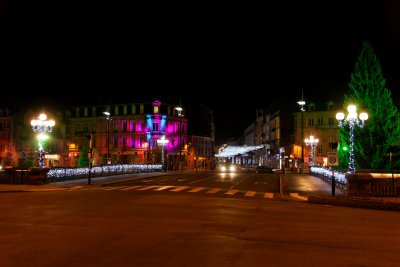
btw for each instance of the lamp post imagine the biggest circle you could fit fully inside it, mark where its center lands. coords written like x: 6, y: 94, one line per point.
x: 352, y: 119
x: 302, y: 103
x: 42, y: 126
x: 108, y: 137
x: 162, y: 142
x: 312, y: 143
x: 179, y: 109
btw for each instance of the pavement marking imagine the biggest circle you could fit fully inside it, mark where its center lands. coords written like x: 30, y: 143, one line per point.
x: 196, y: 190
x: 214, y: 190
x: 296, y: 195
x: 231, y: 192
x: 179, y: 189
x: 131, y: 187
x: 107, y: 188
x: 147, y: 187
x: 250, y: 194
x: 163, y: 188
x: 269, y: 195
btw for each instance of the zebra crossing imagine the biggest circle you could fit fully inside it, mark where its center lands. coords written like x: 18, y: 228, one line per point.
x: 188, y: 189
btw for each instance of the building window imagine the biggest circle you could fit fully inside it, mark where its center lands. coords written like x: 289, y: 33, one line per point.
x: 320, y: 121
x: 156, y: 109
x: 115, y: 142
x: 125, y: 109
x: 331, y: 121
x: 319, y: 150
x: 77, y: 112
x: 85, y: 112
x: 155, y: 127
x: 116, y: 110
x: 141, y: 108
x: 133, y: 109
x: 124, y: 126
x: 93, y: 111
x: 311, y: 122
x: 116, y: 126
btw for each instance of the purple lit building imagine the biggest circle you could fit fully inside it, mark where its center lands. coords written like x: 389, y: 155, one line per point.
x: 130, y: 132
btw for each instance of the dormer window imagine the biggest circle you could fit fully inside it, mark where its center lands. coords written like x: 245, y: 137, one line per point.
x: 156, y: 107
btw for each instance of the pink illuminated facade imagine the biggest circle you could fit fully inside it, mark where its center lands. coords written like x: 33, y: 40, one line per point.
x: 133, y: 130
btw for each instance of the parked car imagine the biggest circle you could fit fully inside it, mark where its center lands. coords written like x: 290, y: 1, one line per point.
x: 264, y: 169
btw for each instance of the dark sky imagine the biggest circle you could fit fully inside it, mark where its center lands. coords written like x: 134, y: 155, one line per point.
x: 234, y: 58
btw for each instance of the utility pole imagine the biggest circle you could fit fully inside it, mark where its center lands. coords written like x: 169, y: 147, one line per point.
x: 90, y: 155
x: 302, y: 103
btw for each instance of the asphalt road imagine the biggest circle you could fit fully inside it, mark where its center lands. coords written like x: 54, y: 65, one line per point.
x: 106, y: 227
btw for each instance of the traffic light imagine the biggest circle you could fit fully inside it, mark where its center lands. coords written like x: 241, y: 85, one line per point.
x: 333, y: 145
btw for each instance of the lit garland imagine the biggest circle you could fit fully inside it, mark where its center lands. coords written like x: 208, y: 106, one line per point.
x: 327, y: 175
x: 230, y: 151
x: 77, y: 173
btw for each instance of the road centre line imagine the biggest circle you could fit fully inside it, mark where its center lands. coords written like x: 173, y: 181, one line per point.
x: 203, y: 179
x: 244, y: 179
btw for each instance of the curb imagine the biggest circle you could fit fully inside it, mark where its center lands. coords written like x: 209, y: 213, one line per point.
x: 355, y: 202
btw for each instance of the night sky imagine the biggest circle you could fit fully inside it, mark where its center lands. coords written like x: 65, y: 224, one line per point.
x: 232, y: 58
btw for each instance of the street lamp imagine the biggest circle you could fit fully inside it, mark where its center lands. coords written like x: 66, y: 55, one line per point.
x: 312, y: 143
x: 42, y: 126
x: 162, y: 142
x: 302, y: 103
x: 108, y: 137
x: 352, y: 119
x: 179, y: 109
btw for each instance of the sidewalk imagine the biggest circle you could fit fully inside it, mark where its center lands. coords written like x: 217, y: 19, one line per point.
x: 381, y: 203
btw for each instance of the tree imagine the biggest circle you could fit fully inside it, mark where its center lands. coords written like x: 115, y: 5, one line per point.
x: 83, y: 160
x: 369, y: 92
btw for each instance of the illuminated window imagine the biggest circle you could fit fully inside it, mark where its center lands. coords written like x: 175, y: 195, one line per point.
x: 116, y: 110
x: 141, y: 108
x: 133, y: 109
x: 156, y: 109
x: 125, y: 109
x: 85, y: 112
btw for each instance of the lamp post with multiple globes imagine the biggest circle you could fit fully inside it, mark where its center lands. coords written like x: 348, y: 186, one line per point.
x: 312, y: 143
x: 352, y: 119
x: 162, y: 142
x: 41, y: 126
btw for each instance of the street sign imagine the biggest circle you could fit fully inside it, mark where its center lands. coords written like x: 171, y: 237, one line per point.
x: 333, y: 158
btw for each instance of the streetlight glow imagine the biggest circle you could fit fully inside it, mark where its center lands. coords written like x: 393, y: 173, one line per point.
x: 162, y: 142
x: 352, y: 120
x: 42, y: 126
x: 312, y: 143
